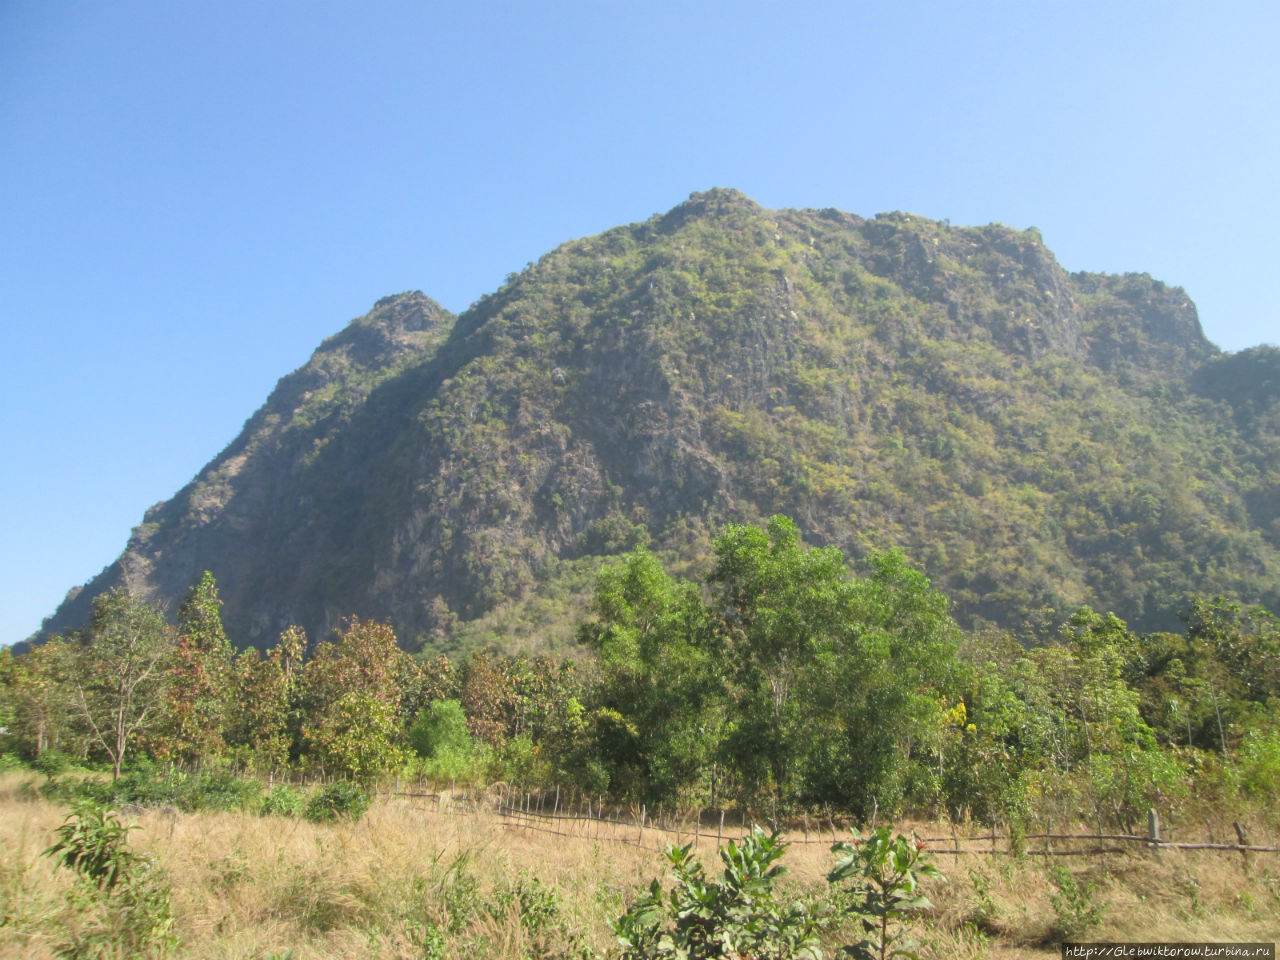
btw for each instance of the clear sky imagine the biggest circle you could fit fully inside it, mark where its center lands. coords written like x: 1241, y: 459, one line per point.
x: 194, y: 195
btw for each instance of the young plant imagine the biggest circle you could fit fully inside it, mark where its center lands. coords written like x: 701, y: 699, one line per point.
x: 741, y: 915
x: 122, y: 901
x: 1076, y: 907
x: 93, y: 844
x: 885, y: 874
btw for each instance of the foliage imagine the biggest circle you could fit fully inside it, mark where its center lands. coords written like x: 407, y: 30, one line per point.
x: 199, y: 682
x: 283, y: 800
x: 885, y: 874
x: 1033, y: 439
x: 741, y: 915
x: 791, y: 679
x: 339, y: 800
x: 144, y: 784
x: 535, y: 902
x: 118, y: 675
x: 122, y: 898
x: 1076, y: 907
x: 42, y: 713
x: 351, y: 697
x: 440, y: 727
x: 355, y: 737
x: 265, y: 717
x: 93, y: 844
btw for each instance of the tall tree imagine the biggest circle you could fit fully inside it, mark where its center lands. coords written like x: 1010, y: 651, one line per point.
x: 39, y: 710
x: 200, y: 690
x: 263, y: 720
x: 660, y: 717
x: 119, y: 675
x: 352, y: 697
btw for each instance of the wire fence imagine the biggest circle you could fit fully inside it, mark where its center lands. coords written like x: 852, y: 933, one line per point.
x: 580, y: 817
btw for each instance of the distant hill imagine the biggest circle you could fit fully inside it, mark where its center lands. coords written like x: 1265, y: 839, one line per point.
x: 1033, y: 439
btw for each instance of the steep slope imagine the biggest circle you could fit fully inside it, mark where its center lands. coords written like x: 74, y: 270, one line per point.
x: 259, y: 515
x: 1035, y: 439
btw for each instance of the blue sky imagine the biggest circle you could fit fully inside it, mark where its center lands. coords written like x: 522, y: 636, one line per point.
x: 195, y: 195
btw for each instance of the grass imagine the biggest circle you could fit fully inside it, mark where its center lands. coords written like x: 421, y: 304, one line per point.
x: 413, y: 881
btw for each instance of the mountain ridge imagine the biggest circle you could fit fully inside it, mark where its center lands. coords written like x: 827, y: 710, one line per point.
x: 892, y: 381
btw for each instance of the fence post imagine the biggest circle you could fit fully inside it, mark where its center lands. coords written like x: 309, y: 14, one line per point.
x: 720, y: 830
x: 640, y: 838
x: 1153, y: 829
x: 1244, y: 854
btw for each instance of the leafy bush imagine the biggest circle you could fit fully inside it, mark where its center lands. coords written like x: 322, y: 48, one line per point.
x: 1129, y: 782
x: 739, y: 916
x: 50, y: 763
x: 122, y: 901
x: 146, y: 785
x: 340, y: 800
x: 283, y: 801
x: 1075, y: 906
x: 885, y: 875
x: 93, y: 844
x: 518, y: 760
x: 1259, y: 763
x: 441, y: 726
x: 536, y: 903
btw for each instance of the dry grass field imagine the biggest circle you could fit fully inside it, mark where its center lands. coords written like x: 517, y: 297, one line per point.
x: 413, y: 881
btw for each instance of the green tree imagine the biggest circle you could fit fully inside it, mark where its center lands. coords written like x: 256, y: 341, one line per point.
x: 200, y: 687
x: 357, y: 737
x: 351, y: 699
x: 841, y: 686
x: 39, y: 700
x: 119, y: 675
x: 792, y: 679
x: 264, y: 715
x: 660, y: 701
x: 779, y: 608
x: 440, y: 727
x: 884, y: 692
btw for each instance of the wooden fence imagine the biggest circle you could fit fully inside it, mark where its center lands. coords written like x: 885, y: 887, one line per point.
x: 587, y: 818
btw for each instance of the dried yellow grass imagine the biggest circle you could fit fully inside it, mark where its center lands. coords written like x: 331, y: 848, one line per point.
x: 249, y: 887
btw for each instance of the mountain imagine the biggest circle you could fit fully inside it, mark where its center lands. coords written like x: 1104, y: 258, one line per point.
x: 1034, y: 439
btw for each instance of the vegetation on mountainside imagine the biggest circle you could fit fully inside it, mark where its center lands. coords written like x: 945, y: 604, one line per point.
x: 1035, y: 440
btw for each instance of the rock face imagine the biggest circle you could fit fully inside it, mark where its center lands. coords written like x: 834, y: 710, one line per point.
x: 1034, y: 439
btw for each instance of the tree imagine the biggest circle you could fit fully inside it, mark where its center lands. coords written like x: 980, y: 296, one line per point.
x: 351, y: 697
x: 200, y: 670
x: 263, y: 719
x: 356, y: 737
x: 841, y: 685
x: 658, y: 723
x: 40, y: 715
x: 119, y: 674
x: 441, y: 727
x: 779, y: 607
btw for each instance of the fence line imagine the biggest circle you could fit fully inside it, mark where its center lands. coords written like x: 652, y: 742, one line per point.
x: 526, y: 813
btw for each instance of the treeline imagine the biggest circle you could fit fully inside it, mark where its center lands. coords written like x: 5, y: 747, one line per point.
x: 781, y: 681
